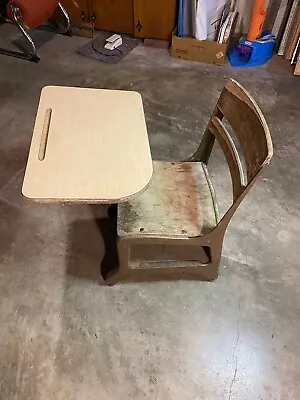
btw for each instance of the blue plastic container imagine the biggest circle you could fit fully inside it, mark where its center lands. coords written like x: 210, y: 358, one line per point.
x: 251, y: 54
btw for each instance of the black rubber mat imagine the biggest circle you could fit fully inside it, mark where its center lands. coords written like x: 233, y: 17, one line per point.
x: 95, y: 49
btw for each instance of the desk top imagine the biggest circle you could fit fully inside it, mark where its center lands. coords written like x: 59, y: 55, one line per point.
x: 88, y: 146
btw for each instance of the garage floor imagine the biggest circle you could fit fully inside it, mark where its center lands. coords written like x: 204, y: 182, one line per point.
x: 64, y: 336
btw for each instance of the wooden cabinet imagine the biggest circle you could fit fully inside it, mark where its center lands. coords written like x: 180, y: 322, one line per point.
x: 154, y: 19
x: 144, y: 18
x: 81, y: 15
x: 114, y: 15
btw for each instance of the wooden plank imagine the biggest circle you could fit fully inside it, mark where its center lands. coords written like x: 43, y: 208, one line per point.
x: 295, y: 52
x: 272, y: 12
x: 279, y: 17
x: 88, y: 145
x: 287, y: 29
x: 293, y: 36
x: 281, y: 20
x: 297, y: 68
x: 154, y: 19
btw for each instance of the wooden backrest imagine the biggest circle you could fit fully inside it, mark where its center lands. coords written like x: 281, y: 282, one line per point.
x: 239, y: 109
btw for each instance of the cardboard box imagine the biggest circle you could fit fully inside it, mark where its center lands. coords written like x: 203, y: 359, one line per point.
x: 206, y: 51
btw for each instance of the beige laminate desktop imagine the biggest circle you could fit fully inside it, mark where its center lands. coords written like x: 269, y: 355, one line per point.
x: 88, y: 146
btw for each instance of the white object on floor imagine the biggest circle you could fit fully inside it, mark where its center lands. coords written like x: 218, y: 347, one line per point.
x: 113, y: 45
x: 113, y: 38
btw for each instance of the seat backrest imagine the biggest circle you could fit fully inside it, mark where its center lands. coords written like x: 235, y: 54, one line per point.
x: 239, y: 109
x: 249, y: 125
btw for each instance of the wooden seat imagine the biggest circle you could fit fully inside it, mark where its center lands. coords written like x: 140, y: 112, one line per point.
x: 178, y: 209
x: 177, y: 203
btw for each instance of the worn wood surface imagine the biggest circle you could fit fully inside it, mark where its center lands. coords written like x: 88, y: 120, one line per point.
x: 96, y: 148
x: 239, y: 109
x: 177, y: 203
x: 248, y: 124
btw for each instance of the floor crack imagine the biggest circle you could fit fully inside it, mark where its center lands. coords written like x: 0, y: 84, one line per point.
x: 234, y: 355
x: 10, y: 180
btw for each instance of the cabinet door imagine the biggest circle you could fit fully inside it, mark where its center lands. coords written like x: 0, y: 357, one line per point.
x: 114, y: 15
x: 154, y: 19
x: 80, y: 13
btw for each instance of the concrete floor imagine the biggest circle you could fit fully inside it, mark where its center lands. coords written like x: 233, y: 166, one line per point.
x: 64, y: 336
